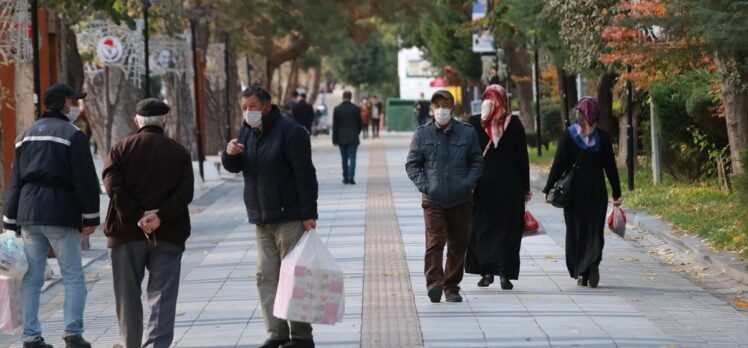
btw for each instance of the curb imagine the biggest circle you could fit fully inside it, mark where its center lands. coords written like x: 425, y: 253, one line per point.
x: 727, y: 262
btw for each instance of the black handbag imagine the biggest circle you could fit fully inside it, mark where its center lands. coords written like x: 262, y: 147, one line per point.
x: 560, y: 194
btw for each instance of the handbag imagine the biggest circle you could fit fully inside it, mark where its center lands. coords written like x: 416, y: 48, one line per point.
x: 560, y: 194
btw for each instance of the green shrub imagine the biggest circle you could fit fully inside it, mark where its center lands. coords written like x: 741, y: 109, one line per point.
x: 683, y: 103
x: 550, y: 121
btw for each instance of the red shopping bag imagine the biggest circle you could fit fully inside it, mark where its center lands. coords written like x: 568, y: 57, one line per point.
x: 617, y: 221
x: 531, y: 224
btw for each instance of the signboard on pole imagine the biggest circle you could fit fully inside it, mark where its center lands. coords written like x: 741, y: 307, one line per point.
x: 483, y: 39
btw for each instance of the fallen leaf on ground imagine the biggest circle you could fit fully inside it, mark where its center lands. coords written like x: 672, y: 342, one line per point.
x: 179, y: 314
x: 631, y: 259
x: 549, y: 257
x: 740, y: 303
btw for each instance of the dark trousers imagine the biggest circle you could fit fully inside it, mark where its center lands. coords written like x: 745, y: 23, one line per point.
x: 348, y: 154
x: 450, y: 227
x: 129, y: 262
x: 375, y: 128
x: 365, y: 130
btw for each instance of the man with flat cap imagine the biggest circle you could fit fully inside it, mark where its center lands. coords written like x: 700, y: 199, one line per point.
x: 149, y: 179
x: 52, y: 198
x: 445, y: 163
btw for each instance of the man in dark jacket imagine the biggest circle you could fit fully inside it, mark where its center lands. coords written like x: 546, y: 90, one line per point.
x: 346, y: 126
x: 303, y: 113
x: 52, y: 197
x: 445, y: 163
x: 149, y: 179
x: 280, y: 192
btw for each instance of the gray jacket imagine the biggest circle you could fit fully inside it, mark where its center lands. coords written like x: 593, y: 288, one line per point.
x: 445, y: 165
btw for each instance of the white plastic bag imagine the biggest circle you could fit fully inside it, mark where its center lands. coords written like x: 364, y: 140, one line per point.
x: 310, y: 288
x: 13, y: 263
x: 10, y: 303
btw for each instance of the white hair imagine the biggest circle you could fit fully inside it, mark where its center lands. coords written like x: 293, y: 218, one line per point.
x: 150, y: 120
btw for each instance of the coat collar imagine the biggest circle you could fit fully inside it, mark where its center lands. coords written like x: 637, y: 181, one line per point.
x: 151, y: 129
x: 447, y: 130
x: 268, y: 120
x: 55, y: 114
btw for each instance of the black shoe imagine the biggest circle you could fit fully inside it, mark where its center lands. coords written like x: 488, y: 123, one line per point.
x: 346, y: 181
x: 270, y: 343
x: 435, y: 293
x: 352, y: 182
x: 37, y: 344
x: 506, y: 284
x: 294, y: 343
x: 76, y: 342
x: 594, y: 276
x: 453, y: 297
x: 582, y: 281
x: 485, y: 281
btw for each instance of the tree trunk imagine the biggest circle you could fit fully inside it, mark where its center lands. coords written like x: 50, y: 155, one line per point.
x: 622, y: 136
x: 111, y: 116
x: 605, y: 84
x: 567, y: 82
x: 292, y: 82
x: 315, y: 84
x: 181, y: 120
x: 518, y: 60
x: 71, y: 65
x: 735, y: 99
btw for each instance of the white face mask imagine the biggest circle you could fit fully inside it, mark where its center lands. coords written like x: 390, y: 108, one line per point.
x: 485, y: 109
x: 442, y: 116
x: 73, y: 114
x: 253, y: 118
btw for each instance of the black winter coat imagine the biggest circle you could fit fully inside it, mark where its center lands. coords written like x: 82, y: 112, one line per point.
x: 303, y: 113
x: 280, y: 181
x: 346, y: 124
x: 53, y: 181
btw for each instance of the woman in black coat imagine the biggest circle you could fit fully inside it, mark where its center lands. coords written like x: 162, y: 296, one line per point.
x: 585, y: 213
x: 500, y: 196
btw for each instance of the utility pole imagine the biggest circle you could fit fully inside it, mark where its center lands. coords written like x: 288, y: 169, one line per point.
x: 35, y: 50
x: 656, y: 171
x: 536, y: 72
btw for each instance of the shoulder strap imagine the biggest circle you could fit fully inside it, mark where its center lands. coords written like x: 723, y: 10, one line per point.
x: 579, y: 159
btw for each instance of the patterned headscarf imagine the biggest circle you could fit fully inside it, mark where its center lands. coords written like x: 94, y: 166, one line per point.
x: 590, y: 110
x: 498, y: 118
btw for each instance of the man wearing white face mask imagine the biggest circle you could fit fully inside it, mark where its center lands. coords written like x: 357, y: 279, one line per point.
x: 445, y: 163
x: 54, y: 171
x: 280, y: 192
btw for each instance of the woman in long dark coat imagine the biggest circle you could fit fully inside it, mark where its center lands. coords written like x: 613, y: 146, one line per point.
x: 585, y: 213
x: 500, y: 196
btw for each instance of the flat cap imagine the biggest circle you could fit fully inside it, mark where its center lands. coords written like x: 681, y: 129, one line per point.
x: 55, y: 95
x: 151, y: 107
x: 442, y: 93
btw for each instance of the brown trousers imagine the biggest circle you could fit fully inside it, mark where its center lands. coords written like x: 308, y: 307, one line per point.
x: 450, y: 227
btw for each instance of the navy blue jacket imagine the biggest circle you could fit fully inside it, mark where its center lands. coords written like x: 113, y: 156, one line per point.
x: 280, y: 181
x: 346, y: 124
x: 53, y: 181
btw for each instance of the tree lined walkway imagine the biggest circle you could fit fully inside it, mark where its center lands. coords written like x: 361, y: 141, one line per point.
x: 641, y: 302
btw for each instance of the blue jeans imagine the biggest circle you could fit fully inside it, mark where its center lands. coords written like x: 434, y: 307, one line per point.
x: 348, y: 153
x: 66, y: 242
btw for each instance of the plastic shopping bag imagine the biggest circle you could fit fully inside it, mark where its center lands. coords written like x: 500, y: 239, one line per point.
x: 617, y: 221
x: 13, y: 263
x: 10, y: 303
x: 531, y: 226
x: 310, y: 288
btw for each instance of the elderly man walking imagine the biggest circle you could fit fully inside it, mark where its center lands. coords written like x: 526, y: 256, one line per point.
x: 53, y: 196
x: 280, y: 192
x: 445, y: 163
x: 149, y: 179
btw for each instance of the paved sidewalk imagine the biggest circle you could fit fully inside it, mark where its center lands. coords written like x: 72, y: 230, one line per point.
x: 641, y: 301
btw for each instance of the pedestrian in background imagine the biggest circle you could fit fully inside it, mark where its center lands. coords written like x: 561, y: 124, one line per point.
x: 346, y: 127
x: 289, y: 104
x: 280, y: 192
x: 500, y: 196
x: 303, y: 113
x: 445, y: 163
x: 365, y: 116
x: 421, y: 110
x: 149, y: 179
x: 377, y: 110
x: 53, y: 171
x: 590, y: 147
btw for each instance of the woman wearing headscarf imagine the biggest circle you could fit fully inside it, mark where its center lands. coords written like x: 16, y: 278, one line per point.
x: 500, y: 196
x: 585, y: 213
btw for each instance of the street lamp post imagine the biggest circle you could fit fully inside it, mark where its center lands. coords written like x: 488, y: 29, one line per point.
x: 536, y: 77
x: 630, y: 132
x: 147, y: 80
x: 228, y: 85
